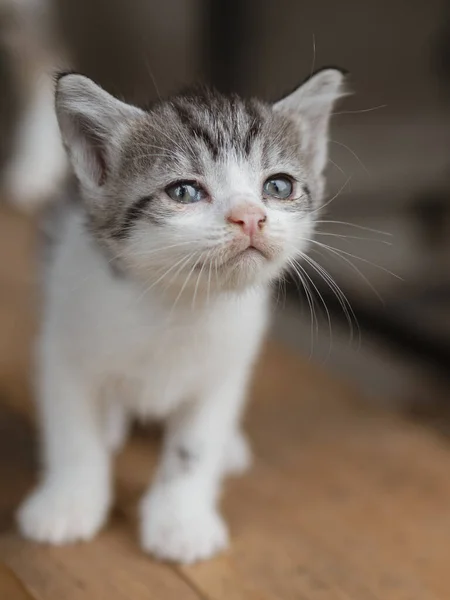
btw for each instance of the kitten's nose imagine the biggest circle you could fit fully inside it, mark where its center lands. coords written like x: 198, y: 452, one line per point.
x: 249, y: 217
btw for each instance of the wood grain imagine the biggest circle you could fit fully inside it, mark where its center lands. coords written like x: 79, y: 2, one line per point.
x: 11, y: 588
x: 344, y: 502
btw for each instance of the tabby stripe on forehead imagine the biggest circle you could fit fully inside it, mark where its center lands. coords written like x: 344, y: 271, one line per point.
x: 255, y: 126
x: 253, y: 131
x: 133, y: 214
x: 196, y: 129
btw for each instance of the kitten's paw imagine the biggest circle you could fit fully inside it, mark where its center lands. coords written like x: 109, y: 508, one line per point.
x: 64, y: 511
x: 178, y: 532
x: 238, y: 457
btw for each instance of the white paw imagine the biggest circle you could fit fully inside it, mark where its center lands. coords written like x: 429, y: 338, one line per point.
x: 180, y: 532
x: 238, y: 456
x: 64, y: 511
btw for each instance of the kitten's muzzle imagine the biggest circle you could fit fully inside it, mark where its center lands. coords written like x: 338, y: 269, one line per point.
x: 244, y: 246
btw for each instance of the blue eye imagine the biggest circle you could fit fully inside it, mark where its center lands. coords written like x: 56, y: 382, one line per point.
x: 278, y: 186
x: 186, y: 192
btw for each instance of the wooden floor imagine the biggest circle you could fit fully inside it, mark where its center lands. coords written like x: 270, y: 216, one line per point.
x: 343, y: 503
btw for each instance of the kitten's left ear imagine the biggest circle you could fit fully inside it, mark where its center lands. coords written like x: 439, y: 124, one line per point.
x: 310, y: 105
x: 93, y: 125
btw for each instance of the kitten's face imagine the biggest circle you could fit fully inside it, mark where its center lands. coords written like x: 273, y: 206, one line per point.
x: 203, y: 190
x: 217, y: 189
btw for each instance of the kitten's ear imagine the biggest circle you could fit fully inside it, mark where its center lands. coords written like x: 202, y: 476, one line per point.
x: 92, y: 124
x: 311, y: 106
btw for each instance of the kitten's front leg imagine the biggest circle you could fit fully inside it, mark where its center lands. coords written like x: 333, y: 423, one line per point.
x: 179, y: 517
x: 72, y: 500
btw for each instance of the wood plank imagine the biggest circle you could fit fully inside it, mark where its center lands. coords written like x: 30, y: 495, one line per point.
x: 342, y: 502
x: 11, y: 588
x: 110, y: 567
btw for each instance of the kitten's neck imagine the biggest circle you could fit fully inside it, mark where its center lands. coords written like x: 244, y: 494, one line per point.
x: 201, y: 300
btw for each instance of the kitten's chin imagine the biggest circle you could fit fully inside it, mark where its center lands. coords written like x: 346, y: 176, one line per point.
x: 248, y: 268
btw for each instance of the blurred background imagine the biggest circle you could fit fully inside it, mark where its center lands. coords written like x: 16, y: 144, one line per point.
x: 384, y: 238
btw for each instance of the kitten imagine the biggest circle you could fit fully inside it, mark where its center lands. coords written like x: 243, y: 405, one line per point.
x: 157, y: 296
x: 38, y: 163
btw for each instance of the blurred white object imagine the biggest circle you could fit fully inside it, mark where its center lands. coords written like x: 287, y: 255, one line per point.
x: 37, y: 162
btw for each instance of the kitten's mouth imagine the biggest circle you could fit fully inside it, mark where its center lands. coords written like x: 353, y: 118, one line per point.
x: 251, y: 252
x: 242, y: 256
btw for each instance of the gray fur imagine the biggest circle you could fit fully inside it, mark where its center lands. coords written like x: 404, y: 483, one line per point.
x: 185, y: 136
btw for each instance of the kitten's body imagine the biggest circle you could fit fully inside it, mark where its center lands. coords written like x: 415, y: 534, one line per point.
x: 157, y: 296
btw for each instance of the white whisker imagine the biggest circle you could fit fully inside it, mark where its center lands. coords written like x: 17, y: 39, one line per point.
x: 338, y: 193
x: 365, y: 260
x: 310, y: 301
x: 337, y: 291
x: 362, y: 227
x: 322, y: 301
x: 337, y: 167
x: 199, y: 276
x: 186, y: 281
x: 354, y: 267
x: 163, y: 276
x: 353, y: 237
x: 362, y: 110
x: 353, y: 153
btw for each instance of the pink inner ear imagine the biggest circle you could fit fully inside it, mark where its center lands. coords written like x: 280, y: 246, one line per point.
x: 93, y: 150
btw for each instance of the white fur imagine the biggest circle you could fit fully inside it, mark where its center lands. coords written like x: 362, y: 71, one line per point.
x: 190, y: 368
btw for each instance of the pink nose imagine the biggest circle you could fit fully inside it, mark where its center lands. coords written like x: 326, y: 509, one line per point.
x: 250, y: 218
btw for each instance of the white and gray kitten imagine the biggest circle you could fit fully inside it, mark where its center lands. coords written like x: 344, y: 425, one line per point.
x: 157, y: 296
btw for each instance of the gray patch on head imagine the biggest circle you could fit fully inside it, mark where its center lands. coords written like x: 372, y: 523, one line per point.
x: 220, y: 123
x: 193, y: 126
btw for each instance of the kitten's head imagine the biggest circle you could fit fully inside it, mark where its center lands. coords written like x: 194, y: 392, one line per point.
x: 203, y: 188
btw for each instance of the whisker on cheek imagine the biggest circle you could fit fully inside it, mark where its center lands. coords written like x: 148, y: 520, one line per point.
x: 162, y: 277
x: 150, y: 251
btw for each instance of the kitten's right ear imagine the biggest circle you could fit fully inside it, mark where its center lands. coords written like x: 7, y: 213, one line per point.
x: 92, y: 124
x: 311, y: 105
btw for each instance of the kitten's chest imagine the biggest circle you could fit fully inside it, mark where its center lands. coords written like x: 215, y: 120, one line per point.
x: 166, y: 358
x: 172, y: 362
